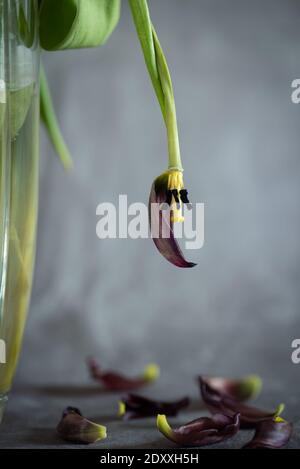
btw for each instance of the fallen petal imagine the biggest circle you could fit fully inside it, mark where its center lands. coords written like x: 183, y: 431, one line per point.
x: 133, y: 406
x: 250, y: 417
x: 75, y: 428
x: 161, y: 226
x: 240, y: 390
x: 271, y: 434
x: 201, y: 432
x: 117, y: 382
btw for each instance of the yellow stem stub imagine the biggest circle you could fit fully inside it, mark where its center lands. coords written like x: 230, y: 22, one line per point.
x: 102, y: 432
x: 279, y: 420
x: 251, y: 386
x: 122, y: 409
x: 164, y: 427
x: 279, y: 411
x: 151, y: 373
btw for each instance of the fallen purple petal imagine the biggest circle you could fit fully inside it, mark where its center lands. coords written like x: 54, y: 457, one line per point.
x: 133, y: 406
x: 237, y: 389
x: 271, y: 434
x: 118, y: 382
x: 201, y: 432
x: 250, y: 416
x: 75, y: 428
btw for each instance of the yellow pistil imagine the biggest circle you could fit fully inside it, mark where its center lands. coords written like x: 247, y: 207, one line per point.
x: 175, y: 182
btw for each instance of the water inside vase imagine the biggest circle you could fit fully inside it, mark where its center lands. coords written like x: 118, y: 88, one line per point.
x: 19, y: 136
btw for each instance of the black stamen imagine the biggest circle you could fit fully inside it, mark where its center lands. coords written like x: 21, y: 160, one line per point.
x: 169, y: 197
x: 184, y: 198
x: 176, y: 197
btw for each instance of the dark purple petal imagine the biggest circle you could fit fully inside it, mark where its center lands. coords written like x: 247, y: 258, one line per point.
x: 237, y: 389
x: 71, y: 410
x: 75, y: 428
x: 250, y: 417
x: 133, y: 406
x: 161, y: 226
x: 271, y: 434
x: 201, y: 432
x: 117, y: 382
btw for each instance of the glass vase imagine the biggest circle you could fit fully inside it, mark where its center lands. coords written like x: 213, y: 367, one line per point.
x: 19, y: 158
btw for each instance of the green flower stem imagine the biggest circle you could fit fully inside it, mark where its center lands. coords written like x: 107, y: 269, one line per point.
x: 160, y: 76
x: 50, y: 121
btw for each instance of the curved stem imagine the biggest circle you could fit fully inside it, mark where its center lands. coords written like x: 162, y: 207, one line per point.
x: 170, y: 107
x: 160, y: 76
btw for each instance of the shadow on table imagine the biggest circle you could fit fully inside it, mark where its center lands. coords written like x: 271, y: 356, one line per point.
x: 37, y: 437
x: 62, y: 390
x: 71, y: 390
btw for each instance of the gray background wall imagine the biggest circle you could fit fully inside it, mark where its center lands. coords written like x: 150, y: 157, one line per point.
x: 232, y: 64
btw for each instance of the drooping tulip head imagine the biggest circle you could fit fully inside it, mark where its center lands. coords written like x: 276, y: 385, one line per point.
x: 168, y: 197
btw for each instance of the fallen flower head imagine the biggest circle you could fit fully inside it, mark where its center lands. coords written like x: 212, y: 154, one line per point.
x: 133, y: 406
x: 75, y: 428
x: 117, y: 382
x: 201, y: 432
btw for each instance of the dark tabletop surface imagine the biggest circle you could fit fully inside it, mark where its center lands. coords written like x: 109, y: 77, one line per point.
x: 33, y: 413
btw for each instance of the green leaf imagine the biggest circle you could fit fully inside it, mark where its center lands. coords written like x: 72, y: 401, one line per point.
x: 50, y: 121
x: 73, y: 24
